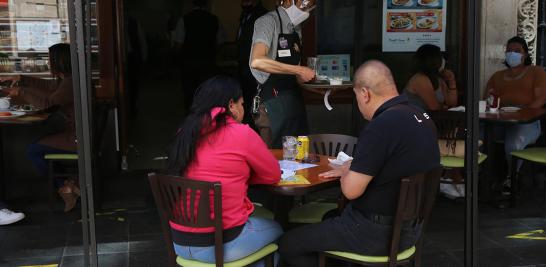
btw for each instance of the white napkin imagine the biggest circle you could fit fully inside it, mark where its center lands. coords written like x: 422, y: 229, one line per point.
x: 287, y: 174
x: 459, y: 108
x: 341, y: 159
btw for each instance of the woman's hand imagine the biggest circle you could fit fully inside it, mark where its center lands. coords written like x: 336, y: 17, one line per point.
x: 449, y: 77
x: 14, y: 79
x: 11, y: 91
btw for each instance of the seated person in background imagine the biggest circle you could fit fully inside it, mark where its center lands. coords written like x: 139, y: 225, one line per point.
x: 7, y: 216
x: 521, y: 84
x: 212, y: 145
x: 431, y: 86
x: 60, y: 96
x: 371, y: 181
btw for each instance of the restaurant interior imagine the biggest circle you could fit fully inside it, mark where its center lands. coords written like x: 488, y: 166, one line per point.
x: 131, y: 99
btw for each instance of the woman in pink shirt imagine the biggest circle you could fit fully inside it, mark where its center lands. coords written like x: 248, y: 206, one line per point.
x: 213, y: 145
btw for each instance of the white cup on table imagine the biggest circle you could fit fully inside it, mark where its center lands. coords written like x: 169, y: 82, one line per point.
x: 5, y: 103
x: 482, y: 106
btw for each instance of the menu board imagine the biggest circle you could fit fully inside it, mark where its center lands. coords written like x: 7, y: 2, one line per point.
x: 408, y: 24
x: 38, y: 35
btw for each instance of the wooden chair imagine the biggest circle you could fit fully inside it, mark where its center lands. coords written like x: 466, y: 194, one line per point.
x: 331, y: 144
x: 451, y: 131
x: 535, y: 155
x: 66, y: 165
x: 172, y: 193
x: 328, y: 145
x: 415, y: 201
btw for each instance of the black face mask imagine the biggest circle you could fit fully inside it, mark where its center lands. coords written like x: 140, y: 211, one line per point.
x: 247, y: 8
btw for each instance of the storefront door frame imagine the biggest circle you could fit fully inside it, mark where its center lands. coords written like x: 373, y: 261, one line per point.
x: 79, y: 25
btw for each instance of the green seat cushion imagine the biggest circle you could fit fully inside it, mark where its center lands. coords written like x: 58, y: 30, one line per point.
x: 241, y: 262
x: 260, y: 211
x: 404, y: 255
x: 310, y: 212
x: 61, y: 156
x: 455, y: 162
x: 534, y: 154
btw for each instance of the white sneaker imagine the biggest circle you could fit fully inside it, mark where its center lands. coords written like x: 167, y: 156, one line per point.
x: 9, y: 217
x: 452, y: 191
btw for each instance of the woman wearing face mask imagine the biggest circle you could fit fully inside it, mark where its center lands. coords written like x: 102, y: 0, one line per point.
x: 275, y: 63
x: 522, y: 84
x: 431, y: 86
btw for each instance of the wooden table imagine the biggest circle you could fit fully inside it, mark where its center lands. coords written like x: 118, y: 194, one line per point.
x: 284, y: 194
x: 523, y: 116
x: 25, y: 120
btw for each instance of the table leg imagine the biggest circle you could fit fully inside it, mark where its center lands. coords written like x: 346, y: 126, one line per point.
x: 488, y: 179
x: 282, y: 206
x: 2, y: 169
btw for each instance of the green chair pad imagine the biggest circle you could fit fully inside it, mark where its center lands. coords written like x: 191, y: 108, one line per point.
x: 310, y: 212
x: 455, y: 162
x: 534, y: 154
x: 260, y: 211
x: 241, y: 262
x: 61, y: 156
x: 404, y: 255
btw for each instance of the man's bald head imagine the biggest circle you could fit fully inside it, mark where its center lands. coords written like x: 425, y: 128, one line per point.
x: 376, y: 77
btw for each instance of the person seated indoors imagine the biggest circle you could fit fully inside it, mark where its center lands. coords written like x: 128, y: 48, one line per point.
x: 522, y: 84
x: 399, y: 141
x: 60, y: 97
x: 431, y: 86
x: 213, y: 145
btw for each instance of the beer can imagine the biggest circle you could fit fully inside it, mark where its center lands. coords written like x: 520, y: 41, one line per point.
x: 303, y: 148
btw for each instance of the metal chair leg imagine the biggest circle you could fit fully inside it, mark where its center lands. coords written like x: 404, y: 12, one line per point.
x: 514, y: 181
x: 322, y: 259
x: 270, y: 260
x: 52, y: 191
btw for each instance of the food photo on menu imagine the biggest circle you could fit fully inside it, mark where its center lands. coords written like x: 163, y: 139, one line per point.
x: 401, y: 22
x: 415, y: 4
x: 428, y: 21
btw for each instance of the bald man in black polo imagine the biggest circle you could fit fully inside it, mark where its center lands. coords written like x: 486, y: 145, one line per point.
x: 399, y: 141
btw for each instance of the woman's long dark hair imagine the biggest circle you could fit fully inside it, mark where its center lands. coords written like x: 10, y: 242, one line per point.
x: 516, y: 39
x: 59, y: 59
x: 427, y: 60
x: 215, y: 92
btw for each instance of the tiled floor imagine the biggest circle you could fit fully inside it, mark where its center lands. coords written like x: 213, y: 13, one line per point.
x: 132, y: 236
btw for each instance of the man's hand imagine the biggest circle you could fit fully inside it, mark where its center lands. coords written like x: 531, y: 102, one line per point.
x: 11, y: 91
x: 338, y: 171
x: 305, y: 74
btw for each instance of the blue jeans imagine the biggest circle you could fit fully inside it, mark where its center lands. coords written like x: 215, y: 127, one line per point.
x: 36, y: 153
x: 515, y: 136
x: 256, y: 234
x: 3, y: 205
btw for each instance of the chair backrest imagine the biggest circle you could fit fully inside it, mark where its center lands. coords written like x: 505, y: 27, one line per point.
x: 331, y: 144
x: 187, y: 202
x: 450, y: 125
x: 415, y: 201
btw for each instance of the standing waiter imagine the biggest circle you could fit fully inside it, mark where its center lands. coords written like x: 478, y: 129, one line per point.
x: 275, y: 63
x: 252, y: 10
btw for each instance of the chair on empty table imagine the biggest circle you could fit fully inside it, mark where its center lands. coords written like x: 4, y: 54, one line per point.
x: 415, y: 201
x: 173, y: 192
x: 451, y: 129
x: 535, y: 155
x: 328, y: 145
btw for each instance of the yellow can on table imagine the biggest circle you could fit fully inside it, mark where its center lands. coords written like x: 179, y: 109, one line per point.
x: 303, y: 148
